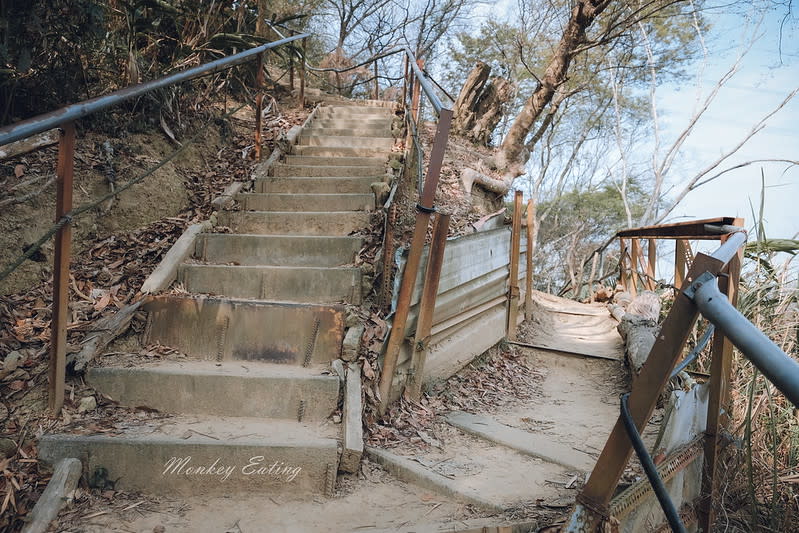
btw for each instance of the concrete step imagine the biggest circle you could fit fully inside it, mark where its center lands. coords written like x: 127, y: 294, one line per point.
x: 347, y: 123
x: 288, y: 284
x: 307, y: 202
x: 354, y: 110
x: 338, y: 101
x: 379, y: 131
x: 228, y: 389
x: 312, y: 171
x: 336, y: 151
x: 276, y: 250
x: 335, y: 161
x: 225, y: 329
x: 204, y: 455
x: 315, y: 185
x: 349, y: 142
x: 294, y: 223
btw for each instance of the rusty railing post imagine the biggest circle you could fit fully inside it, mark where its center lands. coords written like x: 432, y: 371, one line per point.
x: 416, y: 88
x: 528, y: 281
x: 388, y: 256
x: 259, y: 102
x: 513, y: 270
x: 651, y: 265
x: 63, y: 246
x: 680, y: 249
x: 654, y: 376
x: 291, y: 72
x: 301, y: 96
x: 635, y: 256
x: 718, y: 408
x: 623, y: 277
x: 405, y: 83
x: 424, y: 210
x: 427, y: 305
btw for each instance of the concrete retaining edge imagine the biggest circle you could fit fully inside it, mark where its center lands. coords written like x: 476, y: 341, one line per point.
x: 411, y: 472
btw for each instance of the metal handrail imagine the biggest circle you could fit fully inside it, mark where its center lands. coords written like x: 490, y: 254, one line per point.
x: 424, y: 82
x: 768, y: 358
x: 47, y: 121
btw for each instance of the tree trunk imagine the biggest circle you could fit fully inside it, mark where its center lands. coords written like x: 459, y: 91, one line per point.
x: 513, y: 151
x: 479, y: 106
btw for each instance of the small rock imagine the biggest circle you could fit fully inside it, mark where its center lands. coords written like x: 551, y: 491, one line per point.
x: 338, y: 367
x: 159, y: 529
x: 12, y: 361
x: 7, y: 447
x: 352, y: 320
x: 337, y: 419
x: 381, y: 191
x: 89, y: 403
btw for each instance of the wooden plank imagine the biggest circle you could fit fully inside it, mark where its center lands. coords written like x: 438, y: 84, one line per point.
x: 694, y: 229
x: 623, y: 278
x: 63, y: 482
x: 718, y: 408
x: 458, y: 300
x: 467, y: 258
x: 651, y: 264
x: 635, y: 255
x: 353, y: 423
x: 30, y: 144
x: 528, y: 282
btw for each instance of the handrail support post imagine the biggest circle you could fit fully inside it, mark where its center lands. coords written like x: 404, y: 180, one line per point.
x: 63, y: 248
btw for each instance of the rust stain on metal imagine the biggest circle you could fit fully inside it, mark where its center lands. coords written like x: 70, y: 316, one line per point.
x: 513, y: 281
x: 625, y: 502
x: 309, y: 348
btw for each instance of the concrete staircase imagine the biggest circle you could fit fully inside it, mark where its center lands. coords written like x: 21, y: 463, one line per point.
x: 250, y: 405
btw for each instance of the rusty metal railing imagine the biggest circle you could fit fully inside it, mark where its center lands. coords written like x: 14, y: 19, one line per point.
x: 709, y: 288
x: 416, y: 85
x: 64, y: 120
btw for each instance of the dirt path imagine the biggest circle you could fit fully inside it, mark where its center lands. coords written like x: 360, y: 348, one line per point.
x: 375, y: 501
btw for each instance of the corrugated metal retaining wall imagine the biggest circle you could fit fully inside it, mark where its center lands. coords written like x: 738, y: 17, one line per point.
x: 471, y: 304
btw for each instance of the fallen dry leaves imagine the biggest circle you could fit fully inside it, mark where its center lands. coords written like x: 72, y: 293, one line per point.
x: 500, y: 378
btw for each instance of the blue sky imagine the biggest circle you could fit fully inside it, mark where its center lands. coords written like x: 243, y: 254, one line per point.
x: 767, y: 76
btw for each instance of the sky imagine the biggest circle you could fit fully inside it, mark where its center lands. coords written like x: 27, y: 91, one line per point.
x: 766, y: 77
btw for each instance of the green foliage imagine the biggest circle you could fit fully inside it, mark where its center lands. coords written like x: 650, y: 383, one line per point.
x: 573, y: 224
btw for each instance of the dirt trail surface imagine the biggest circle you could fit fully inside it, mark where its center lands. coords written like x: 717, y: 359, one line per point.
x: 524, y: 453
x: 375, y: 501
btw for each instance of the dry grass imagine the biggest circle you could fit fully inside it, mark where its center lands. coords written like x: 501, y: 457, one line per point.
x: 759, y: 486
